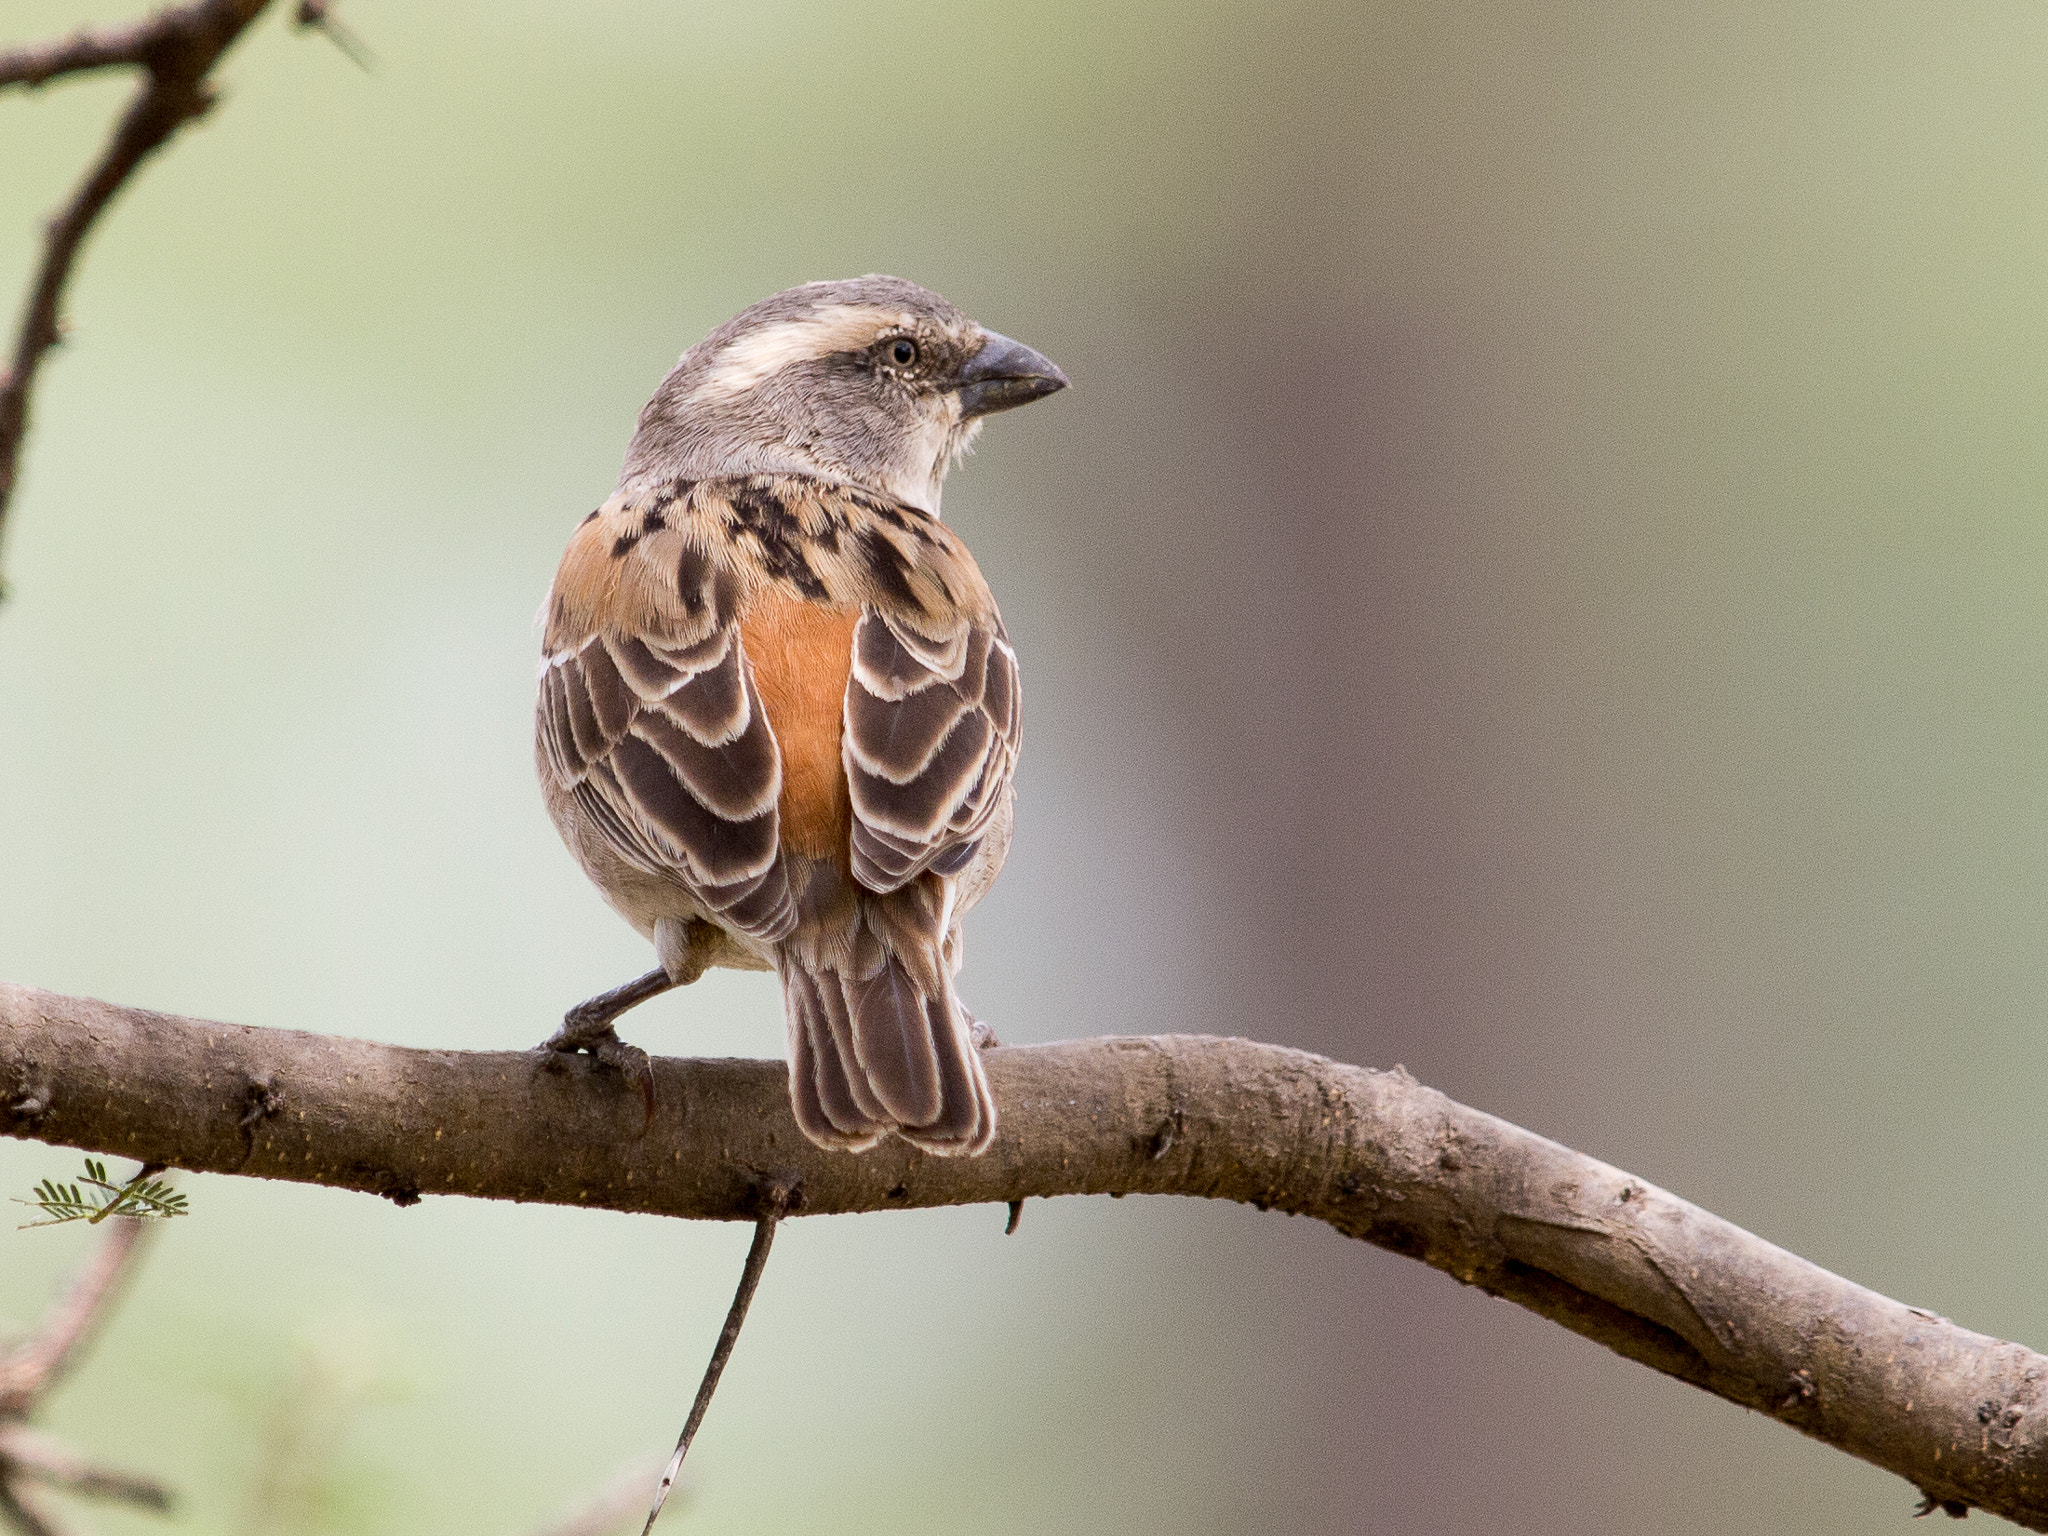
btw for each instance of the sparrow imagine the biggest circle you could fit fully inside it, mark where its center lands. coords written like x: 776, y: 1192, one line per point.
x: 778, y: 716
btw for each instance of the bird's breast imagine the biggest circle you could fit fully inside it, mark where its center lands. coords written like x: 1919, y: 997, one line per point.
x: 801, y: 653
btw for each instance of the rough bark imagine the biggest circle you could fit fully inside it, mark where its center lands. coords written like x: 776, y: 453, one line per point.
x: 1375, y: 1154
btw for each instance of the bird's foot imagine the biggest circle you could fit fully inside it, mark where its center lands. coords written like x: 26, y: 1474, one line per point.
x: 590, y: 1021
x: 610, y: 1051
x: 588, y: 1027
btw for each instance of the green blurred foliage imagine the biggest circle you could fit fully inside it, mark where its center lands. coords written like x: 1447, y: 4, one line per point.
x: 1540, y: 577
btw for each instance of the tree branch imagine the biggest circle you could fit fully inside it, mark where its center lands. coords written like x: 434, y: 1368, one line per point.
x: 25, y: 1515
x: 33, y: 1367
x: 40, y: 1459
x: 84, y: 51
x: 1374, y: 1154
x: 177, y: 48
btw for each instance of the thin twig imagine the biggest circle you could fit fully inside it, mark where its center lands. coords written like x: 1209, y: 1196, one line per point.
x: 177, y: 48
x: 778, y: 1198
x: 33, y: 1367
x: 318, y: 16
x: 39, y: 1459
x: 84, y: 51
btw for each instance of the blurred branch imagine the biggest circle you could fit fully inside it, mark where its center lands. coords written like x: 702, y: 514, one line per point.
x: 176, y: 49
x: 84, y: 51
x: 24, y: 1514
x: 32, y: 1368
x: 619, y: 1500
x: 1375, y: 1154
x: 43, y: 1460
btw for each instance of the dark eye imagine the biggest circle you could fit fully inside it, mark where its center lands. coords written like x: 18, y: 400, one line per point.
x: 902, y: 351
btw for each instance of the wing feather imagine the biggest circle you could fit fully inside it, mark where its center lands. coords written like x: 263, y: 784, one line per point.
x: 931, y: 742
x: 657, y: 732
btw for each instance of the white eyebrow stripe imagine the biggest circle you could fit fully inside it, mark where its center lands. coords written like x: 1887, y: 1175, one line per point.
x: 834, y: 328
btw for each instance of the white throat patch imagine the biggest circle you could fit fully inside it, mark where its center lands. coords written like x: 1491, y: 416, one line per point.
x: 939, y: 442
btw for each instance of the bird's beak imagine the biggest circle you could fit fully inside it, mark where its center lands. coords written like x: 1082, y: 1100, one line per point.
x: 1005, y: 374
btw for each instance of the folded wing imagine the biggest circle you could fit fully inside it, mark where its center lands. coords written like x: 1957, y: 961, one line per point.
x: 660, y: 737
x: 932, y: 730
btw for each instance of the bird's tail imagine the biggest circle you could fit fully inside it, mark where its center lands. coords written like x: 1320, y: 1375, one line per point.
x: 878, y: 1041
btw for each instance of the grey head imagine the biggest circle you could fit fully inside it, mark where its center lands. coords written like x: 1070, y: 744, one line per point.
x: 872, y: 381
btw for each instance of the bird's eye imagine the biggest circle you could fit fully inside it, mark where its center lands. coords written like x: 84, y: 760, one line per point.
x: 902, y: 351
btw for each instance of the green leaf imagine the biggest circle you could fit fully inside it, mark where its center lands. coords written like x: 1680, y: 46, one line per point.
x: 143, y: 1196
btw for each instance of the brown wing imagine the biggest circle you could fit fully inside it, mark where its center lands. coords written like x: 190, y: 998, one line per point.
x: 652, y: 723
x: 648, y: 710
x: 932, y: 731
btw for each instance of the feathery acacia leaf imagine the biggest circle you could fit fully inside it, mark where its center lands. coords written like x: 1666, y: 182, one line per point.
x: 142, y: 1196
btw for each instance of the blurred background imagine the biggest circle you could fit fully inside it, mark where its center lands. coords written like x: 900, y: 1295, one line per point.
x: 1541, y: 577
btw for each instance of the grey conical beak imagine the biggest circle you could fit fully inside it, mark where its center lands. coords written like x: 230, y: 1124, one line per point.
x: 1005, y: 374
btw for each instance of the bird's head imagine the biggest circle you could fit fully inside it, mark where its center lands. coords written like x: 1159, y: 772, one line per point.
x: 873, y: 380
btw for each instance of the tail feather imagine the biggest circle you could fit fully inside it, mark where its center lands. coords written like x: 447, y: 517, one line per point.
x: 828, y: 1110
x: 894, y: 1046
x: 966, y: 1121
x: 877, y: 1040
x: 838, y: 1035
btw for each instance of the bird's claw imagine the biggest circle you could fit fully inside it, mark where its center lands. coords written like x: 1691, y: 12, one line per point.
x: 603, y: 1043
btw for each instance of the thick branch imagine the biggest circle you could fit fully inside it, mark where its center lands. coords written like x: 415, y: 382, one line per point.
x: 176, y: 48
x: 1374, y: 1154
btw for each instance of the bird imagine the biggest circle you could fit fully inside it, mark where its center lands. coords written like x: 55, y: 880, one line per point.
x: 779, y: 715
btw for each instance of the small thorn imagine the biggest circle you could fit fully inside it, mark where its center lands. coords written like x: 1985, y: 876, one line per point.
x: 317, y: 16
